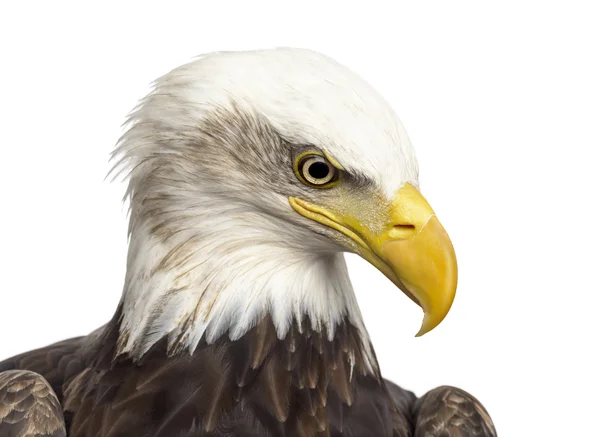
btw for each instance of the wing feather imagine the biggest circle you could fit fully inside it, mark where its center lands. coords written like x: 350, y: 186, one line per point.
x: 448, y: 411
x: 28, y: 406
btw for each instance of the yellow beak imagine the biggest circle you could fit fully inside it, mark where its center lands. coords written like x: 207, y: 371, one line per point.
x: 411, y: 248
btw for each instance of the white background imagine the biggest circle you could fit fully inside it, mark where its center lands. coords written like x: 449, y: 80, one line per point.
x: 501, y: 100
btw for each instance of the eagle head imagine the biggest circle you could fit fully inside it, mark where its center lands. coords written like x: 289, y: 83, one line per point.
x: 249, y: 174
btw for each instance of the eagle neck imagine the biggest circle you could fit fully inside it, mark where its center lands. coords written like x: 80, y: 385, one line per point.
x: 193, y: 287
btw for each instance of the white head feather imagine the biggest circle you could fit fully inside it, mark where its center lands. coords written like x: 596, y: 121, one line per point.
x: 229, y: 252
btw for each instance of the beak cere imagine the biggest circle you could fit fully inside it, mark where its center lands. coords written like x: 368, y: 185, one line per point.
x: 412, y: 249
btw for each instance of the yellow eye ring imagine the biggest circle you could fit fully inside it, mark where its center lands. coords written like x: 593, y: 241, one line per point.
x: 315, y: 170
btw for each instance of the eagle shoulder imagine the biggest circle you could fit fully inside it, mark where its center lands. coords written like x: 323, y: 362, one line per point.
x: 28, y: 406
x: 451, y: 412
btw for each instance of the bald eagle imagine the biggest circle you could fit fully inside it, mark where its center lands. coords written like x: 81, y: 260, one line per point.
x: 249, y: 174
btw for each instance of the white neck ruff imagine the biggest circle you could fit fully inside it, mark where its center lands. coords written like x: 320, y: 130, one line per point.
x: 223, y: 277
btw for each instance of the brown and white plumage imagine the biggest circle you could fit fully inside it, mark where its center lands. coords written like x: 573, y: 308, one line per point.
x: 256, y: 386
x: 449, y: 411
x: 29, y: 406
x: 238, y: 317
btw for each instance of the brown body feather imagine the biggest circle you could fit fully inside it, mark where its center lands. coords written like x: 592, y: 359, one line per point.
x: 28, y: 406
x: 300, y: 386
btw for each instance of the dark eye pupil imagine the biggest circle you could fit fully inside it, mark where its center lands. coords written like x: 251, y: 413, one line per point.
x: 318, y: 170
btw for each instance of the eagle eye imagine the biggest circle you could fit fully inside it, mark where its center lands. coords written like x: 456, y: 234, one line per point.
x: 314, y: 170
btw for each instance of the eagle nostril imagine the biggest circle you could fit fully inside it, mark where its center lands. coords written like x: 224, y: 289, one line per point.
x: 402, y: 231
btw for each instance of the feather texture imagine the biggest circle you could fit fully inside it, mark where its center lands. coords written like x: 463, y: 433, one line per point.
x: 28, y: 406
x: 448, y: 412
x: 106, y: 395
